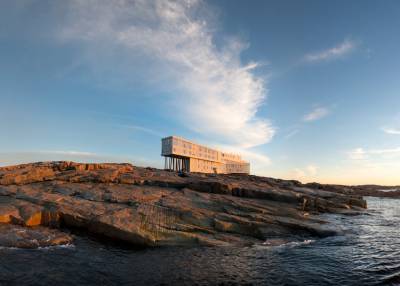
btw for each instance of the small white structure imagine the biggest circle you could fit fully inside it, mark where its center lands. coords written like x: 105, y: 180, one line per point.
x: 182, y: 155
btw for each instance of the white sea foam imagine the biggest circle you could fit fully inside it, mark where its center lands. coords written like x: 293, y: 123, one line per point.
x: 62, y: 246
x: 298, y: 243
x: 282, y: 243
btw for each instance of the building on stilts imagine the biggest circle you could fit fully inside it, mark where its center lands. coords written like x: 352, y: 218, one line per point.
x: 185, y: 156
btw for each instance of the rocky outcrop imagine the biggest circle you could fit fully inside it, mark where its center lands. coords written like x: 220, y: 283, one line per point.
x: 377, y: 191
x: 23, y: 237
x: 151, y: 207
x: 361, y: 190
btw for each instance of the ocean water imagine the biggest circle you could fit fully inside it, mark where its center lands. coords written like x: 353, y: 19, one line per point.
x: 367, y: 254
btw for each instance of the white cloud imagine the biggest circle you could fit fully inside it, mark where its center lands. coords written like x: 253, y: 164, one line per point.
x: 361, y: 154
x: 385, y: 151
x: 332, y: 53
x: 312, y: 170
x: 365, y: 166
x: 391, y: 131
x: 357, y: 154
x: 317, y: 113
x: 217, y: 95
x: 299, y: 174
x: 308, y: 173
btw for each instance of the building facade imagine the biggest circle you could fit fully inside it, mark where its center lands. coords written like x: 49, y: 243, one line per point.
x: 182, y: 155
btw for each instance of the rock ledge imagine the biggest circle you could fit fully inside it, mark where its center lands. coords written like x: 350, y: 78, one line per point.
x: 152, y: 207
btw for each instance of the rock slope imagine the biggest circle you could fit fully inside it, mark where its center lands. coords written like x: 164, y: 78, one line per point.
x: 150, y: 207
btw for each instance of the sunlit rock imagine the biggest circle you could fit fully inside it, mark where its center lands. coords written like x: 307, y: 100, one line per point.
x: 151, y: 207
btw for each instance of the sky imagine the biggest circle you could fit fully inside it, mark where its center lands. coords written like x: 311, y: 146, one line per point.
x: 306, y: 90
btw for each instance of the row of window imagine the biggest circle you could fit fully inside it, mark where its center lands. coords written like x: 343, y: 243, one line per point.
x: 202, y: 152
x: 189, y: 145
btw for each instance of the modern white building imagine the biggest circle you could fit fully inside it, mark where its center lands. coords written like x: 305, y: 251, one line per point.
x: 183, y: 155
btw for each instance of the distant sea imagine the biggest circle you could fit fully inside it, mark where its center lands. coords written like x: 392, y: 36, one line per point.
x: 367, y: 254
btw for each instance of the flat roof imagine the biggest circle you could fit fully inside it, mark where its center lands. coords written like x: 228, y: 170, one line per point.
x: 188, y: 141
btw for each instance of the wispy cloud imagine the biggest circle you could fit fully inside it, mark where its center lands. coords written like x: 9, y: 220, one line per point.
x: 307, y: 173
x: 362, y: 154
x: 379, y: 166
x: 391, y: 131
x: 292, y: 133
x: 68, y: 152
x: 385, y: 151
x: 316, y: 113
x: 357, y: 154
x: 145, y: 130
x: 217, y: 95
x: 335, y: 52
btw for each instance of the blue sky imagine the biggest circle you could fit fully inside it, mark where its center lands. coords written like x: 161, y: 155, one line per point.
x: 308, y: 90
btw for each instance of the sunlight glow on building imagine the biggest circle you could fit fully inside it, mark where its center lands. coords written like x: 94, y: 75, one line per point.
x: 182, y: 155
